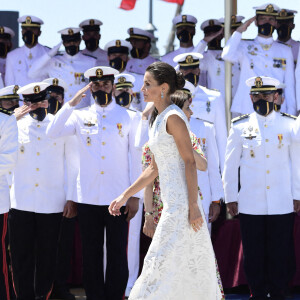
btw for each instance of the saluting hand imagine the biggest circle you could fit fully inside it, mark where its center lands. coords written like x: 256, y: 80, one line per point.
x: 210, y: 37
x: 79, y: 95
x: 245, y: 25
x: 21, y: 111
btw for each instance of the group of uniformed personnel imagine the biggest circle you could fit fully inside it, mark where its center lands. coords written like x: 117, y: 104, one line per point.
x: 77, y: 144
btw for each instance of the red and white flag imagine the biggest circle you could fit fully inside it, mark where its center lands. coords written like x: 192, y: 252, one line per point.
x: 127, y: 4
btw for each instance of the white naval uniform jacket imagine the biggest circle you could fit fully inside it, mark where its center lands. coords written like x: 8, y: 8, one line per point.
x: 276, y: 61
x: 99, y: 54
x: 69, y: 68
x: 106, y: 140
x: 209, y: 105
x: 39, y: 176
x: 20, y: 61
x: 139, y: 66
x: 209, y: 181
x: 168, y: 58
x: 8, y: 156
x: 294, y: 46
x: 266, y: 149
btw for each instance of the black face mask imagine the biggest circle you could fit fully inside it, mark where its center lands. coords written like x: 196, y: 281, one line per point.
x: 54, y: 105
x: 263, y: 107
x: 266, y: 29
x: 72, y: 50
x: 137, y: 52
x: 30, y: 38
x: 118, y: 63
x: 284, y: 32
x: 91, y: 44
x: 123, y: 99
x: 184, y: 36
x: 192, y: 78
x: 39, y: 114
x: 3, y: 50
x: 214, y: 44
x: 102, y: 98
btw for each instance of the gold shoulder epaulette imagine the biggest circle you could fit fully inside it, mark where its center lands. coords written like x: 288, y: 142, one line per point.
x: 240, y: 118
x: 5, y: 111
x: 289, y: 116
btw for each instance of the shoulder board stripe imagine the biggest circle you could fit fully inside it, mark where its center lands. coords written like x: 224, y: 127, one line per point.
x: 89, y: 55
x: 205, y: 121
x: 289, y: 116
x: 240, y: 118
x: 5, y: 111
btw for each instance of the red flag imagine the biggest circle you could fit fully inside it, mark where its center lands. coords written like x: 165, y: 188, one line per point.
x: 128, y: 4
x: 180, y: 2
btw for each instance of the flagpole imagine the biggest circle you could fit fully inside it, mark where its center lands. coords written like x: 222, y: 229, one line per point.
x: 151, y: 28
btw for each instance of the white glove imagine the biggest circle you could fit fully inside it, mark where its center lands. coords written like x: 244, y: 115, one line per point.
x: 54, y: 50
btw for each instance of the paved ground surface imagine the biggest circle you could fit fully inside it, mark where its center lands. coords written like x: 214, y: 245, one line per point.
x: 79, y: 293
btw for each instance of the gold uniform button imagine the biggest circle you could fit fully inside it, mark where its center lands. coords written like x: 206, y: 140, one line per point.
x: 9, y: 173
x: 267, y: 155
x: 268, y: 187
x: 70, y: 84
x: 37, y: 169
x: 54, y: 144
x: 36, y: 184
x: 9, y: 186
x: 103, y: 143
x: 266, y: 55
x: 266, y: 66
x: 39, y: 138
x: 38, y: 126
x: 267, y: 140
x: 103, y: 157
x: 104, y: 116
x: 71, y: 72
x: 104, y: 128
x: 266, y: 125
x: 268, y: 172
x: 38, y: 153
x: 102, y: 172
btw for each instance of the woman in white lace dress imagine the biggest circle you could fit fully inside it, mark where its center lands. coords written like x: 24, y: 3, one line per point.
x: 180, y: 263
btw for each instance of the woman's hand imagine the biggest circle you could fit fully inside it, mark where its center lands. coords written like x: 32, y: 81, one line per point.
x: 79, y: 95
x: 149, y: 226
x: 115, y: 205
x: 195, y: 217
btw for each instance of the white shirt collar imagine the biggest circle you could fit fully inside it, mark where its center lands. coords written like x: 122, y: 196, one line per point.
x: 105, y: 109
x: 265, y: 41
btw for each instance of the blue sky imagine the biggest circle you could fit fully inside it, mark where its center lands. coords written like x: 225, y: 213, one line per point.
x: 58, y: 14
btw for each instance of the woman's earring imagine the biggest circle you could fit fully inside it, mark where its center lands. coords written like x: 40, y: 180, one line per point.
x: 162, y: 95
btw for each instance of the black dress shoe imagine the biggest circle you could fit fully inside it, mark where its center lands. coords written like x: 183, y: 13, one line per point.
x: 62, y: 294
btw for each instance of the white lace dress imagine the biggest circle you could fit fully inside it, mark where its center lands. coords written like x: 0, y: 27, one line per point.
x: 180, y: 263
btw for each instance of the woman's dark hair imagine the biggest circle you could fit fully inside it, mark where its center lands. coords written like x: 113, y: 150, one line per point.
x: 179, y: 98
x: 164, y: 73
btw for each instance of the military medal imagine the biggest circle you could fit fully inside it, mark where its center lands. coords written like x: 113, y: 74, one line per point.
x: 252, y: 153
x: 208, y: 106
x: 119, y: 126
x: 88, y: 141
x: 280, y: 137
x: 22, y: 149
x: 218, y: 71
x: 252, y: 65
x: 266, y: 46
x: 30, y: 56
x: 203, y: 145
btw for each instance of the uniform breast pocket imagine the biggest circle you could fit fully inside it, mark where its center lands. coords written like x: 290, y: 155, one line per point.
x: 89, y: 135
x: 251, y: 147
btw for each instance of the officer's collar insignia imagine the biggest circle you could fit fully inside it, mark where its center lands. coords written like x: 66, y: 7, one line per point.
x: 70, y: 32
x: 211, y: 22
x: 36, y: 89
x: 99, y: 73
x: 184, y: 19
x: 28, y: 20
x: 118, y: 43
x: 55, y: 81
x: 258, y: 82
x: 270, y: 8
x: 92, y: 22
x: 16, y: 87
x: 1, y: 30
x: 189, y: 59
x: 122, y: 80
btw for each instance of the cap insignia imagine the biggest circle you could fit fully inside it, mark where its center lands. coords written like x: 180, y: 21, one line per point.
x: 99, y: 73
x: 92, y: 22
x: 55, y: 81
x: 16, y: 87
x: 269, y: 8
x: 118, y: 43
x: 283, y: 13
x: 258, y: 82
x: 211, y: 22
x: 70, y: 31
x: 1, y: 30
x: 233, y: 19
x: 131, y: 31
x: 122, y: 80
x: 184, y: 19
x: 189, y: 59
x: 36, y: 89
x: 28, y: 20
